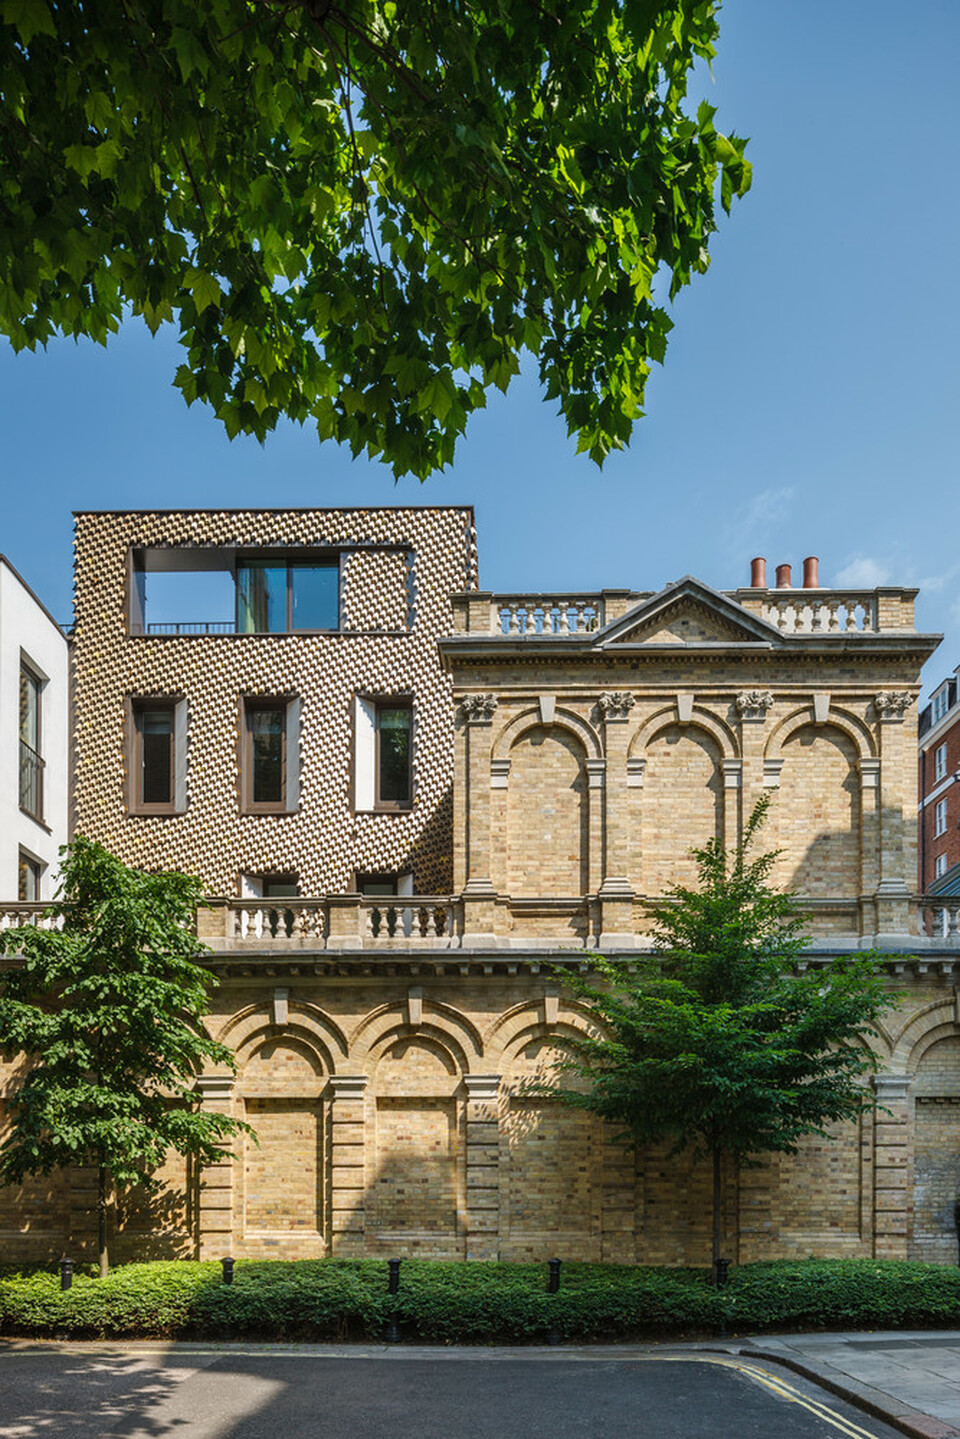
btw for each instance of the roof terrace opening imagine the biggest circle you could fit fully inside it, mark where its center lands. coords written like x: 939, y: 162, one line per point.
x: 204, y: 591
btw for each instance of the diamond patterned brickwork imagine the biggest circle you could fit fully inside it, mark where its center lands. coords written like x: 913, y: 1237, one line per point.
x: 324, y: 841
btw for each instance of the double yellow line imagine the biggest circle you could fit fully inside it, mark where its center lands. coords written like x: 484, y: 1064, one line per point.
x: 777, y: 1386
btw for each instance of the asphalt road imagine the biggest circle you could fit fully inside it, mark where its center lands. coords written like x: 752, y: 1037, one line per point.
x: 299, y: 1392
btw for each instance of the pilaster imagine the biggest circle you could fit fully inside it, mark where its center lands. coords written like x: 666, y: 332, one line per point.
x: 348, y: 1176
x: 216, y: 1201
x: 482, y: 1219
x: 892, y: 1206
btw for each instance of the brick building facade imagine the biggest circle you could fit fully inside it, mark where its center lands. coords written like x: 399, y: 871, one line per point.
x: 939, y: 791
x: 409, y: 800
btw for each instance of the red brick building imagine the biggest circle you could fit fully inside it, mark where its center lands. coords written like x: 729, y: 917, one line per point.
x: 939, y: 790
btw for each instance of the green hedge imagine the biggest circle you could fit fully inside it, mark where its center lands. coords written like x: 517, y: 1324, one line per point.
x: 472, y: 1303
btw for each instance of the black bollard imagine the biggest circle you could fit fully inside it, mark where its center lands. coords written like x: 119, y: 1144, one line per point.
x: 66, y: 1273
x: 721, y: 1272
x: 553, y: 1283
x: 392, y: 1335
x: 227, y: 1270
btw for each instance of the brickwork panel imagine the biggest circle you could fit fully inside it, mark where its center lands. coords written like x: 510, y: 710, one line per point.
x: 417, y: 1154
x: 936, y: 1092
x: 817, y: 815
x: 283, y: 1175
x: 547, y: 815
x: 682, y: 805
x: 551, y: 1160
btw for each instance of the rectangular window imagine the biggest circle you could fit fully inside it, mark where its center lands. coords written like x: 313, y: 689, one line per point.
x: 31, y: 761
x: 283, y: 597
x: 270, y: 749
x: 940, y: 817
x: 940, y: 762
x: 157, y: 756
x: 269, y: 886
x: 383, y: 753
x: 939, y: 866
x: 28, y: 879
x: 941, y: 703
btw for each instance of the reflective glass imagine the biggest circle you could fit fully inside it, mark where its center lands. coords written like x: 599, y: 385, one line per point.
x: 156, y: 753
x: 315, y: 596
x: 266, y: 740
x: 394, y: 727
x: 261, y: 598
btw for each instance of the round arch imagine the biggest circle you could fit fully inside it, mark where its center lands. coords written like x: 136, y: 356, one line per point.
x: 838, y: 719
x: 718, y: 730
x: 530, y: 719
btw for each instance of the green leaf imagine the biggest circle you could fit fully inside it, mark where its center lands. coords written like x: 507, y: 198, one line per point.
x: 203, y: 287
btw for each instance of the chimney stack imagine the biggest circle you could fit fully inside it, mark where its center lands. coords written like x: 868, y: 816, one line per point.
x: 758, y: 573
x: 783, y: 577
x: 811, y: 573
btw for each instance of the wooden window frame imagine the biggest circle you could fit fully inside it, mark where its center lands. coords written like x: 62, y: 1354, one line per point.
x: 137, y: 705
x: 250, y: 705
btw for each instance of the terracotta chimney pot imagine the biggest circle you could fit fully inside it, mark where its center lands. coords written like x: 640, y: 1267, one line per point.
x: 758, y: 573
x: 811, y: 573
x: 783, y: 577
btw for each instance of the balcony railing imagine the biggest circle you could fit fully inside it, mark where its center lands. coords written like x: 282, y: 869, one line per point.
x: 563, y: 614
x: 192, y: 627
x: 425, y: 923
x: 31, y: 781
x: 811, y: 612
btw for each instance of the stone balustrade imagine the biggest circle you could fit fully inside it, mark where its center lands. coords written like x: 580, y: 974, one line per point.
x: 545, y: 614
x: 808, y: 612
x: 352, y: 922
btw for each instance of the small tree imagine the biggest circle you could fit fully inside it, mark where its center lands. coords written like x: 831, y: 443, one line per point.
x: 717, y: 1041
x: 107, y: 1011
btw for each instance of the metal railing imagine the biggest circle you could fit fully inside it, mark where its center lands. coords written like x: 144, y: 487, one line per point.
x: 192, y: 627
x: 31, y: 781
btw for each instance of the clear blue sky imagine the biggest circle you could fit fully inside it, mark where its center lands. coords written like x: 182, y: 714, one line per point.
x: 808, y: 404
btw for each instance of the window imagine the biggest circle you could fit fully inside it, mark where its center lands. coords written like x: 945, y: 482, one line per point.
x: 283, y: 596
x: 941, y: 703
x: 31, y: 762
x: 385, y: 886
x: 28, y: 878
x: 940, y: 762
x: 940, y: 817
x: 383, y: 776
x: 939, y: 866
x: 269, y: 886
x: 270, y: 771
x: 156, y: 770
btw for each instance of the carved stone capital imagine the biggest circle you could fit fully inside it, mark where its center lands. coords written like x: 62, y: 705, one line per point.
x: 616, y: 705
x: 893, y: 704
x: 478, y: 709
x: 753, y: 704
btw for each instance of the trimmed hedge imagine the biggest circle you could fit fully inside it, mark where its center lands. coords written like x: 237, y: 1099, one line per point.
x: 331, y: 1299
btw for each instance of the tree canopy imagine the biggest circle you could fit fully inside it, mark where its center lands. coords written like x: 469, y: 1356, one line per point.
x: 107, y: 1011
x: 362, y: 214
x: 722, y: 1040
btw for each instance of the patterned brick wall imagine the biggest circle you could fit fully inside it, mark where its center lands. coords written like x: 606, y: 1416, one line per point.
x: 324, y: 841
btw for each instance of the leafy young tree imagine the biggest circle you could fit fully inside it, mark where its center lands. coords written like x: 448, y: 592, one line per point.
x: 362, y: 214
x: 107, y: 1012
x: 717, y: 1041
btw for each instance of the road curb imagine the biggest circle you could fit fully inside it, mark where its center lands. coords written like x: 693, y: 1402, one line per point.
x: 872, y: 1401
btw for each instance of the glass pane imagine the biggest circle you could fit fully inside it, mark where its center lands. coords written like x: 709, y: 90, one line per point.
x: 394, y: 727
x: 156, y: 754
x: 315, y: 597
x: 29, y: 709
x: 266, y: 742
x: 261, y: 598
x: 29, y: 880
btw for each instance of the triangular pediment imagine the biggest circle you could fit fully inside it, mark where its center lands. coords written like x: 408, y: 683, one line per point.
x: 687, y: 613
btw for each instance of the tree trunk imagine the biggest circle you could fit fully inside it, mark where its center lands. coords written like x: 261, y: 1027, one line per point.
x: 716, y: 1206
x: 102, y: 1220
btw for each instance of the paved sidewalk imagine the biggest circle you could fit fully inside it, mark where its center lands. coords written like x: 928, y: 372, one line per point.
x: 910, y: 1379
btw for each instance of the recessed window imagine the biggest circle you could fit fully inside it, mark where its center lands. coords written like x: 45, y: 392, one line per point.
x: 940, y: 817
x: 31, y: 760
x: 384, y: 753
x: 29, y: 872
x: 941, y: 703
x: 157, y: 756
x: 940, y: 762
x: 269, y: 886
x: 939, y: 866
x: 384, y: 885
x: 270, y: 753
x: 282, y: 597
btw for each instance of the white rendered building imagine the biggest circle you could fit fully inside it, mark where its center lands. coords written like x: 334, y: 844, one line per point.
x: 33, y: 741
